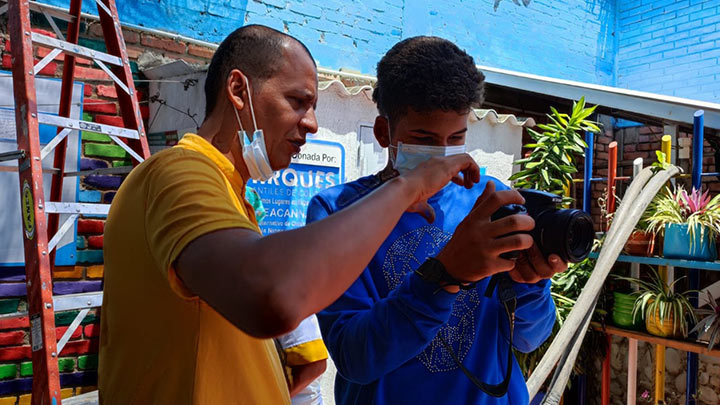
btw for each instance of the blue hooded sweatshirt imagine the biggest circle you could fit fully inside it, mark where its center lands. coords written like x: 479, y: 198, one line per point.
x: 382, y: 333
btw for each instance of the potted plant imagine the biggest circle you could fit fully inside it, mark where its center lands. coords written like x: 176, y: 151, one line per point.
x: 641, y: 241
x: 622, y: 311
x: 710, y: 325
x: 551, y: 163
x: 666, y: 311
x: 689, y: 223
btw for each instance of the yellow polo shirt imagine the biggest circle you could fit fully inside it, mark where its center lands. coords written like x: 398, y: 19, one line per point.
x: 159, y: 343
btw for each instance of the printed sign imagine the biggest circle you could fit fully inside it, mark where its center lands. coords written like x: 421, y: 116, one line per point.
x: 286, y: 195
x: 36, y: 332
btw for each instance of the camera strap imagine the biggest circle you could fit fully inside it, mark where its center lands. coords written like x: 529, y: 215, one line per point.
x: 507, y: 297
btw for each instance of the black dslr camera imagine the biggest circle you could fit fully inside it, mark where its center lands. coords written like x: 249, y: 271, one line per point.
x: 568, y: 233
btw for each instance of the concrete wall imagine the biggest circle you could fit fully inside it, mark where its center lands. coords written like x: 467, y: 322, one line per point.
x: 670, y: 47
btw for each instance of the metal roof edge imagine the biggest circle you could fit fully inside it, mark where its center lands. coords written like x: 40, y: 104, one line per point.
x: 494, y: 118
x: 674, y: 109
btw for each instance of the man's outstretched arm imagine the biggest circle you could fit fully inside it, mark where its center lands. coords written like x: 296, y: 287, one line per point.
x: 267, y: 285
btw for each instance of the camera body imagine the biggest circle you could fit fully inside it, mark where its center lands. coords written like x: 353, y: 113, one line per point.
x: 568, y: 233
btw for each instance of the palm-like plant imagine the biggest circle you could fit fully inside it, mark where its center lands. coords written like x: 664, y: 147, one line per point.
x: 656, y: 298
x: 551, y: 163
x: 710, y: 323
x: 696, y: 209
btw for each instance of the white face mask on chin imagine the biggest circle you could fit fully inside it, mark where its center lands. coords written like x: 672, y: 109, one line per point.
x: 409, y: 156
x: 254, y: 151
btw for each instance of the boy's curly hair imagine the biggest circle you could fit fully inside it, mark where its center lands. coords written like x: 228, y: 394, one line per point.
x: 426, y: 74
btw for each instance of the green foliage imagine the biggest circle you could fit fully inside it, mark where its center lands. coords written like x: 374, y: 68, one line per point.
x: 661, y: 162
x: 551, y: 163
x: 710, y: 324
x: 657, y: 297
x: 565, y: 289
x: 550, y: 167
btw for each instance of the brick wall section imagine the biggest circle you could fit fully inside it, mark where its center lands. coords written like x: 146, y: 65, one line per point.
x: 670, y: 47
x: 78, y: 361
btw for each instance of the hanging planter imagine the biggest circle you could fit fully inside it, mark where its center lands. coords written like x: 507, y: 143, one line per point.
x: 640, y: 243
x: 682, y: 242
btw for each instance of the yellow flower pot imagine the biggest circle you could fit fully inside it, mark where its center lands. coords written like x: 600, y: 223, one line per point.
x: 663, y: 329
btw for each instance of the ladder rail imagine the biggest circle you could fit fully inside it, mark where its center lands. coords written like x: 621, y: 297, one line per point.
x: 46, y: 379
x: 66, y: 93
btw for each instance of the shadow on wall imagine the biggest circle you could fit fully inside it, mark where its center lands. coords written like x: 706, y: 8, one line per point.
x: 606, y: 49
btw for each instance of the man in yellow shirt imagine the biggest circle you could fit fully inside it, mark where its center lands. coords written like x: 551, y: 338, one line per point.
x: 193, y: 291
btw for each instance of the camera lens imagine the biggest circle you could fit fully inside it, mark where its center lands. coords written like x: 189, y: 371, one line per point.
x: 567, y: 233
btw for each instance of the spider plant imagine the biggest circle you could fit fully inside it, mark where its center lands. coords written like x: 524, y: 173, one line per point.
x: 710, y: 323
x: 657, y: 299
x: 696, y: 209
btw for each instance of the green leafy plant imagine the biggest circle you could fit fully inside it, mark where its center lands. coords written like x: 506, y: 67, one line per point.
x: 551, y: 163
x: 549, y: 167
x: 656, y: 298
x: 710, y: 324
x: 565, y: 289
x: 696, y: 209
x: 661, y: 162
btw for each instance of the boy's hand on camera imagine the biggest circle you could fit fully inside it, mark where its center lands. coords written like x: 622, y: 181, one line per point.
x: 474, y: 251
x: 532, y: 266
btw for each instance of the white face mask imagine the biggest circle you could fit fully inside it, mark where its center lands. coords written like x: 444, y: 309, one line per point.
x: 409, y: 156
x: 254, y: 151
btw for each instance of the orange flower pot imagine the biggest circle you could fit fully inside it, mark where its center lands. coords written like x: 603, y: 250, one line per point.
x: 640, y: 244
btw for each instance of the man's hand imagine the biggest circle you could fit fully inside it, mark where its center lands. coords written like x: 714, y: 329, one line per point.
x: 532, y: 266
x: 434, y: 174
x: 474, y: 251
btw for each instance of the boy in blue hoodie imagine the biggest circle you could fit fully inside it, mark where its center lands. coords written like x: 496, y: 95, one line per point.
x: 410, y: 330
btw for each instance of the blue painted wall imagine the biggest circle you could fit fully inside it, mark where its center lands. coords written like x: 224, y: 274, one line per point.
x: 563, y: 38
x: 568, y: 39
x: 665, y: 46
x: 670, y: 47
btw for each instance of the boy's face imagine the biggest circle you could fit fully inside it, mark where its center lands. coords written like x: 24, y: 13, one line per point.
x: 434, y: 128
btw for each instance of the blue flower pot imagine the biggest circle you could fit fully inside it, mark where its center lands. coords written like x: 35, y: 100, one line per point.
x: 677, y: 244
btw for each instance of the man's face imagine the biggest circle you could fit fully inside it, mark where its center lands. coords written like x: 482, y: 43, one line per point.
x: 435, y: 128
x: 285, y: 106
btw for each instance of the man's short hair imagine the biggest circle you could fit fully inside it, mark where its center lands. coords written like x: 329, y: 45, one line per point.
x: 256, y: 50
x: 426, y: 74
